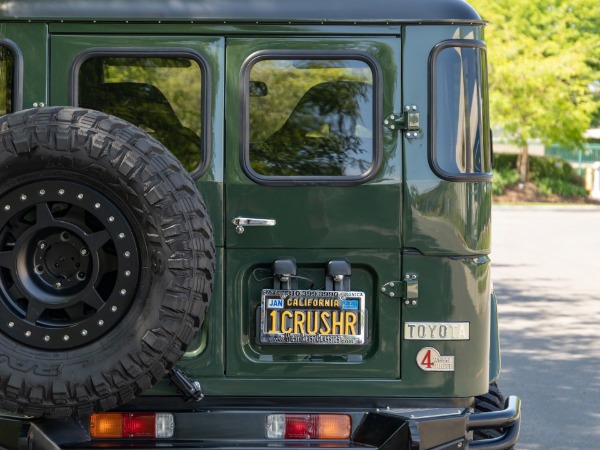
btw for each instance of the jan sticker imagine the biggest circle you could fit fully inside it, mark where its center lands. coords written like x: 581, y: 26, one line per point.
x: 430, y: 360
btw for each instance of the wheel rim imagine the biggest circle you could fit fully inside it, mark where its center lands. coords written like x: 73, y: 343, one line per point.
x: 69, y: 264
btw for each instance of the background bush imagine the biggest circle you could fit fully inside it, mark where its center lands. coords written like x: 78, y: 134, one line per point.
x: 551, y: 175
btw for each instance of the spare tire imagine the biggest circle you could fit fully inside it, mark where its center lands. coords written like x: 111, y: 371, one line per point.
x: 106, y: 261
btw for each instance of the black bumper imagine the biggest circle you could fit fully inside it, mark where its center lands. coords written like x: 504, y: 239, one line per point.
x: 389, y: 429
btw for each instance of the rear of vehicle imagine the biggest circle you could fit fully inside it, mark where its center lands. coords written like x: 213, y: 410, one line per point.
x: 345, y: 165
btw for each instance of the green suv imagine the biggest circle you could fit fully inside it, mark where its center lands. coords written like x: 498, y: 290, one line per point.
x: 246, y: 224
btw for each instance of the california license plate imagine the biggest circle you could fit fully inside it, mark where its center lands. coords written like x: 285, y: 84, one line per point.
x: 312, y: 317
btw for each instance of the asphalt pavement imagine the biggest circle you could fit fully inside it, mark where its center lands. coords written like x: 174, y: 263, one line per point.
x: 546, y: 272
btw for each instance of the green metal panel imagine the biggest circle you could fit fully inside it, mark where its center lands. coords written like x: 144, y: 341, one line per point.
x: 309, y: 217
x: 31, y: 41
x: 314, y: 225
x: 441, y: 217
x: 378, y: 358
x: 450, y: 290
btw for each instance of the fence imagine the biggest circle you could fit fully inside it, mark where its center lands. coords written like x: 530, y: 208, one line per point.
x: 578, y: 158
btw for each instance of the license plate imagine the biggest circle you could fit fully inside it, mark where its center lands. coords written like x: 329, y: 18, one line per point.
x: 312, y: 317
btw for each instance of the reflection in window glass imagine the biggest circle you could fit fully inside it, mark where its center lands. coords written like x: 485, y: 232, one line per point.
x: 461, y: 127
x: 158, y: 94
x: 311, y: 117
x: 7, y: 74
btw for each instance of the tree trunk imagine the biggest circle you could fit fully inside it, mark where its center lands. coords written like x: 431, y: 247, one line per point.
x: 523, y: 164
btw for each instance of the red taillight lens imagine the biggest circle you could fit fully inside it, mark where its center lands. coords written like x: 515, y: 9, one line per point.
x: 308, y: 426
x: 139, y: 425
x: 300, y: 426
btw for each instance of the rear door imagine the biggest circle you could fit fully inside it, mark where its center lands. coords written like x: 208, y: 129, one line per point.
x: 172, y: 87
x: 313, y: 178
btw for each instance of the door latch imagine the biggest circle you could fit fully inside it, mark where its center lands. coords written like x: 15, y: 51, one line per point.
x: 241, y: 222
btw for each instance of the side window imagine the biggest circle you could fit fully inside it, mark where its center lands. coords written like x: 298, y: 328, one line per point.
x: 7, y: 79
x: 310, y: 118
x: 460, y: 137
x: 162, y: 95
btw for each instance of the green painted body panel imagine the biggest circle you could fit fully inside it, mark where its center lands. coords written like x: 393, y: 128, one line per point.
x: 308, y: 216
x: 441, y: 217
x: 403, y: 220
x: 31, y: 40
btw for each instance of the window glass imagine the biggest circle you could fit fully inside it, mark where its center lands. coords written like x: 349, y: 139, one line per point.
x: 311, y: 118
x: 161, y: 95
x: 461, y: 125
x: 7, y: 76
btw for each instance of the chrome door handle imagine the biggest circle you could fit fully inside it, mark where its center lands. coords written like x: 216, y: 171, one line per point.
x: 241, y: 222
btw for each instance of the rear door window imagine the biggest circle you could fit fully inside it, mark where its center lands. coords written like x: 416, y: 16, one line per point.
x: 310, y: 118
x: 7, y: 79
x: 460, y: 135
x: 160, y: 94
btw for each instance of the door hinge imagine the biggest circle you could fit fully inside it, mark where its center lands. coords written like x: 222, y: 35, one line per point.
x: 408, y: 120
x: 407, y: 289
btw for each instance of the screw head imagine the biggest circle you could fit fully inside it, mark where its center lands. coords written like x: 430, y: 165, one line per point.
x: 27, y: 333
x: 66, y: 337
x: 46, y: 338
x: 111, y: 219
x: 11, y: 324
x: 392, y: 294
x: 6, y: 207
x: 84, y: 332
x: 61, y: 192
x: 42, y: 192
x: 121, y: 235
x: 79, y: 196
x: 100, y: 322
x: 123, y: 291
x: 128, y: 273
x: 414, y: 303
x: 127, y: 254
x: 113, y: 309
x: 97, y: 205
x: 23, y: 197
x: 42, y: 245
x: 58, y: 285
x: 83, y: 251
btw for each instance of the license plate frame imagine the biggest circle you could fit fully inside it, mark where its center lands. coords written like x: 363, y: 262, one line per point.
x: 312, y: 317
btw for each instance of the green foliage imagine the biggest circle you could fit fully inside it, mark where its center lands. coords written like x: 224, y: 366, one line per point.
x: 502, y: 179
x: 541, y: 58
x: 551, y: 175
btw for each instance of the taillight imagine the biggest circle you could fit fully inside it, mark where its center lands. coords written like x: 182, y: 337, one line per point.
x: 308, y: 426
x: 131, y: 425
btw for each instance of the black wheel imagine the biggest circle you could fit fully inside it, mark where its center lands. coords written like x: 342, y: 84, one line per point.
x: 106, y: 261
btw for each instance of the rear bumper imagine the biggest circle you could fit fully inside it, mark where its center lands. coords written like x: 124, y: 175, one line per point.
x: 387, y: 429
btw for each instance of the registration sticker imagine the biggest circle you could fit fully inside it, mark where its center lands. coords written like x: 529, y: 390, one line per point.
x: 312, y: 317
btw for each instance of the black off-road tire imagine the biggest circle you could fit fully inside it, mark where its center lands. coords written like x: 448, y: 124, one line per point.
x: 106, y: 262
x: 492, y: 401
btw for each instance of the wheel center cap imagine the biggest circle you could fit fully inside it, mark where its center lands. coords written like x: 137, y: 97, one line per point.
x: 63, y: 260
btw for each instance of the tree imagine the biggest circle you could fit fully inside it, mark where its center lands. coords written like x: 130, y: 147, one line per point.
x: 542, y: 55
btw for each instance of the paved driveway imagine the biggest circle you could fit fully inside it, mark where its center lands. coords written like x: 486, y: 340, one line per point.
x: 546, y: 272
